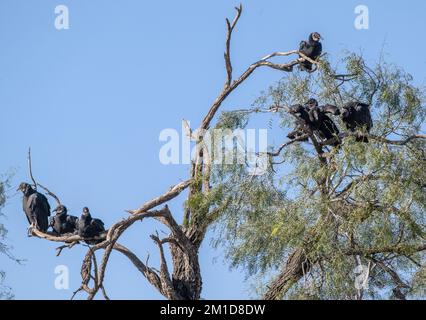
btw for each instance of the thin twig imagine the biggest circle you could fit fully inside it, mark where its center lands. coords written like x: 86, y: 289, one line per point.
x: 38, y: 184
x: 69, y: 246
x: 31, y: 169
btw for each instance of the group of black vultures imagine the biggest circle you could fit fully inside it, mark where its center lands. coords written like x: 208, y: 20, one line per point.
x: 37, y: 210
x: 311, y: 116
x: 314, y: 118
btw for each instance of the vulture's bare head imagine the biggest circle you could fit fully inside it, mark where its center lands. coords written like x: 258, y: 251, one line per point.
x: 25, y: 188
x: 312, y: 103
x: 315, y: 36
x: 86, y: 212
x: 61, y: 209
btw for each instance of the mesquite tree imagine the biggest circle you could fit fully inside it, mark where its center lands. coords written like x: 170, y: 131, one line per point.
x: 263, y: 218
x: 325, y: 221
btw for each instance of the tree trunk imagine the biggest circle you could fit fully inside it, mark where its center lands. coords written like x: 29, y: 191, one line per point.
x: 186, y: 276
x: 296, y: 267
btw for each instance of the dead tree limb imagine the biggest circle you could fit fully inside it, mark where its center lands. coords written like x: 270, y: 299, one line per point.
x: 38, y: 184
x: 227, y: 53
x: 30, y: 167
x: 169, y: 195
x: 286, y: 144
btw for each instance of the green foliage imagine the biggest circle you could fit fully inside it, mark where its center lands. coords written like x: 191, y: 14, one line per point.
x: 5, y: 291
x: 366, y: 195
x: 232, y: 120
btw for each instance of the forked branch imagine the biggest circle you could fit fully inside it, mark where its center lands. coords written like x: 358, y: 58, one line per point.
x: 227, y: 54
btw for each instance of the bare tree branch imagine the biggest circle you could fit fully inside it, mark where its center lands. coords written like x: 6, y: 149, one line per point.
x: 227, y: 90
x: 152, y: 277
x: 286, y: 144
x: 398, y: 248
x: 69, y: 246
x: 38, y: 184
x: 104, y: 293
x: 31, y: 168
x: 395, y: 277
x: 375, y: 138
x: 354, y: 182
x: 169, y: 195
x: 227, y: 53
x: 302, y: 55
x: 70, y: 238
x: 167, y: 285
x: 50, y: 194
x: 397, y: 142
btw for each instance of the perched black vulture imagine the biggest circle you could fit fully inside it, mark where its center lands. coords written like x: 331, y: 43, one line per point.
x: 36, y: 207
x: 302, y: 112
x: 89, y: 227
x: 315, y: 110
x: 357, y: 115
x: 315, y: 118
x: 322, y: 123
x: 63, y: 223
x: 326, y: 128
x: 312, y: 49
x: 303, y: 121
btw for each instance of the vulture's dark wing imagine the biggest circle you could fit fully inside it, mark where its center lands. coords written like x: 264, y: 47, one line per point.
x: 297, y: 108
x: 363, y: 115
x: 303, y: 46
x: 98, y: 225
x: 370, y: 122
x: 360, y: 106
x: 317, y: 50
x: 26, y: 209
x: 72, y: 220
x: 40, y: 209
x: 55, y: 224
x: 81, y: 227
x: 329, y: 108
x: 328, y: 129
x: 350, y: 105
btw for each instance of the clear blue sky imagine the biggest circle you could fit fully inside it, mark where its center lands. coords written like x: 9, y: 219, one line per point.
x: 92, y: 100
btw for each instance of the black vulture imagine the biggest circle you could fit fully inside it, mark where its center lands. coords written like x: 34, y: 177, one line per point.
x: 321, y: 122
x: 63, y: 223
x: 326, y: 128
x: 89, y: 227
x: 316, y: 119
x: 303, y: 121
x: 306, y: 118
x: 36, y: 207
x: 315, y: 110
x: 357, y: 115
x: 312, y: 49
